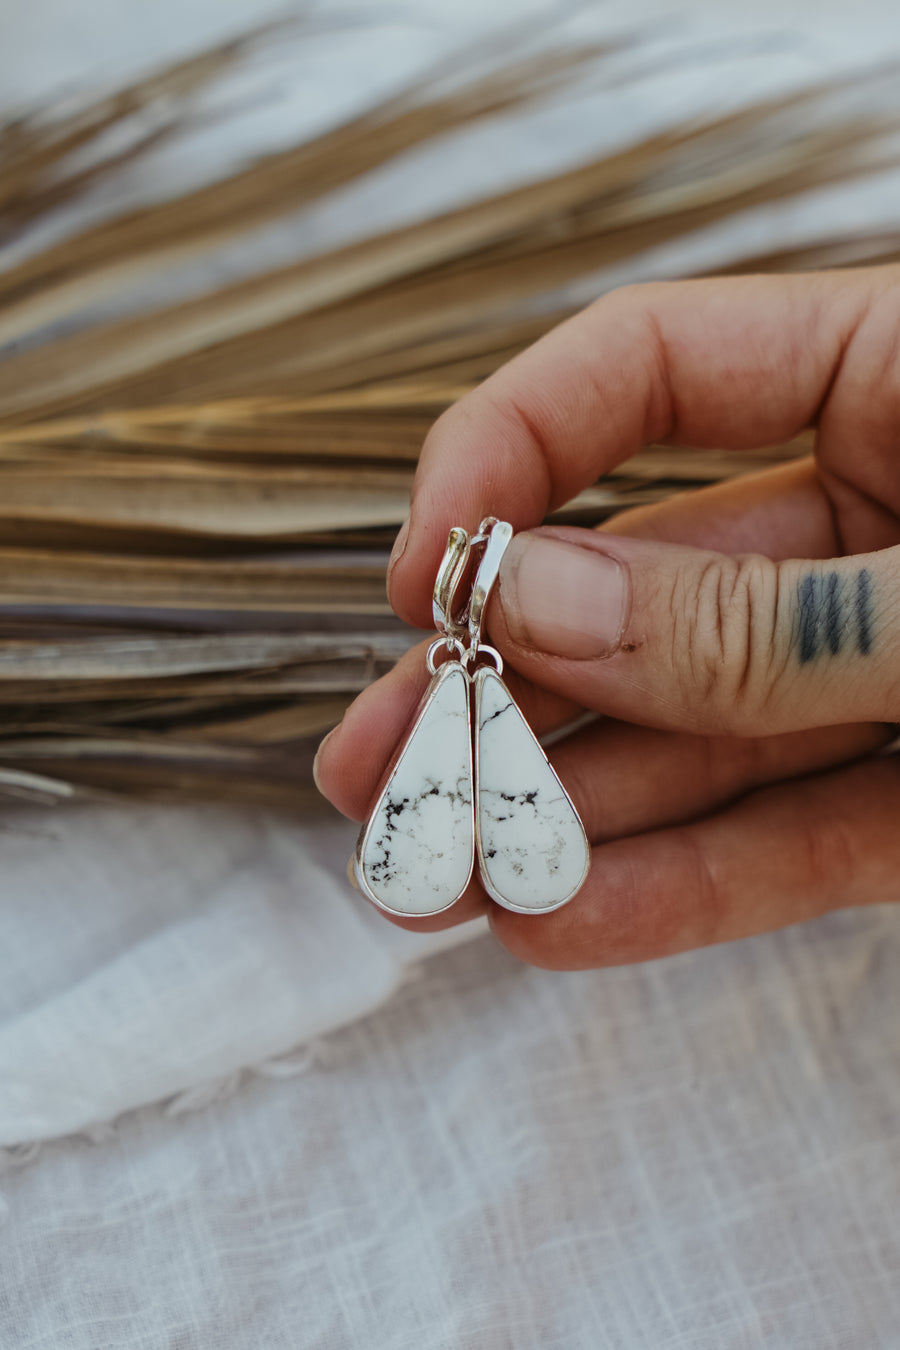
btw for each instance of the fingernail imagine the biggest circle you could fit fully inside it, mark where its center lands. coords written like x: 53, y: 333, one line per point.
x: 322, y: 744
x: 562, y: 598
x: 351, y: 872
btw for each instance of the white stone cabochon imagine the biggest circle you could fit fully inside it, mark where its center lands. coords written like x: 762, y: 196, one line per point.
x: 533, y: 851
x: 418, y: 851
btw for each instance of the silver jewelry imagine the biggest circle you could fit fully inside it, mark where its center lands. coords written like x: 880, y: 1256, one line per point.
x: 440, y: 805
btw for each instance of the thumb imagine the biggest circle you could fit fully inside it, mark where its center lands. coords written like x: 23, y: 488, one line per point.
x: 682, y: 638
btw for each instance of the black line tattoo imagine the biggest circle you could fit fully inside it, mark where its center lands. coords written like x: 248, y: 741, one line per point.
x: 830, y: 616
x: 864, y: 611
x: 809, y: 607
x: 833, y: 612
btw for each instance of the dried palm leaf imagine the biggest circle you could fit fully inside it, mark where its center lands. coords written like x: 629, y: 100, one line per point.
x: 299, y: 327
x: 109, y: 256
x: 42, y: 154
x: 196, y: 499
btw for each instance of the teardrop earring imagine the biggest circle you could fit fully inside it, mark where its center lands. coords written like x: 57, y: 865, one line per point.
x: 533, y: 853
x: 416, y: 852
x: 437, y: 807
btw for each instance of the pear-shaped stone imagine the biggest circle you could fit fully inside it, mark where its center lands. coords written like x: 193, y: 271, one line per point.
x: 416, y: 854
x: 532, y: 849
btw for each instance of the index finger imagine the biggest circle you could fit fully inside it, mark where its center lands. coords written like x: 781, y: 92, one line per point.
x: 733, y: 363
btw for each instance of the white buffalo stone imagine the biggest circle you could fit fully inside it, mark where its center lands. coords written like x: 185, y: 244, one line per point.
x: 532, y: 849
x: 416, y: 854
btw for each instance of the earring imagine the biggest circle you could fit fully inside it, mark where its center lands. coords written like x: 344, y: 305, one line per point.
x: 439, y: 806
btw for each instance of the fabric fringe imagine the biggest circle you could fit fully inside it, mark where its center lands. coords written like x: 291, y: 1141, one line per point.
x: 299, y: 1060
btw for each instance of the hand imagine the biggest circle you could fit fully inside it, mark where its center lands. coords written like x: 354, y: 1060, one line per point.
x: 739, y: 787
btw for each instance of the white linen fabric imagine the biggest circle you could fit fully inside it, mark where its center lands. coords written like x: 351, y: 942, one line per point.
x: 149, y: 951
x: 697, y: 1154
x: 700, y: 1153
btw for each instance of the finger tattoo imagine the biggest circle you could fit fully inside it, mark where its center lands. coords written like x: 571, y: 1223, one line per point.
x: 834, y: 614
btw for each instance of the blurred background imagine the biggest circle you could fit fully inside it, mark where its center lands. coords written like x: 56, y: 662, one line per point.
x: 245, y: 261
x: 247, y: 255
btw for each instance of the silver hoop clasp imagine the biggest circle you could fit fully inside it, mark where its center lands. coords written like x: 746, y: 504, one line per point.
x: 464, y: 625
x: 450, y: 573
x: 496, y: 535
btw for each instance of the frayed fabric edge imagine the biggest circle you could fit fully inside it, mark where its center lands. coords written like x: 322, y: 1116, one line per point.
x: 300, y: 1059
x: 290, y: 1064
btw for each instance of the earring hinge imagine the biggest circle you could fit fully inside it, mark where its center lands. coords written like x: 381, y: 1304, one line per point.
x: 465, y: 625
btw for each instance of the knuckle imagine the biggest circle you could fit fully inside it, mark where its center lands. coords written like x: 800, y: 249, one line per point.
x: 722, y: 622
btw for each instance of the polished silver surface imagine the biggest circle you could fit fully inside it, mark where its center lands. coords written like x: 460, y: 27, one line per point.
x: 496, y: 535
x: 450, y: 573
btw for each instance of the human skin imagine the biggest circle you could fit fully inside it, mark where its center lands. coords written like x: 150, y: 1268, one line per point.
x: 742, y: 642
